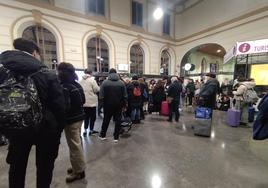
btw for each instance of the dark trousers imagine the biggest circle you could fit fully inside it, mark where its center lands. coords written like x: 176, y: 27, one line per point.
x: 90, y: 117
x: 108, y: 114
x: 190, y: 97
x: 174, y: 107
x: 47, y: 146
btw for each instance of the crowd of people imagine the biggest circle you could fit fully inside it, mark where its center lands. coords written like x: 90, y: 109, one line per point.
x: 68, y: 103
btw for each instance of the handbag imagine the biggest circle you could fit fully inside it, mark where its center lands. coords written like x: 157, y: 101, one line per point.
x: 203, y: 113
x: 169, y: 100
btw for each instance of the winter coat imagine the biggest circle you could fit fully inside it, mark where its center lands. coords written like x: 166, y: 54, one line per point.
x: 208, y: 93
x: 190, y: 88
x: 174, y: 91
x: 144, y: 88
x: 134, y: 101
x: 91, y: 89
x: 242, y: 88
x: 75, y: 93
x: 158, y: 94
x: 49, y: 89
x: 113, y: 93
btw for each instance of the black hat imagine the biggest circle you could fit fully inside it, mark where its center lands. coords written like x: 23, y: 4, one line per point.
x: 135, y: 77
x: 211, y: 75
x: 112, y: 70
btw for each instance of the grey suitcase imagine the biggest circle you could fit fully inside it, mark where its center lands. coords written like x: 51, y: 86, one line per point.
x: 202, y: 127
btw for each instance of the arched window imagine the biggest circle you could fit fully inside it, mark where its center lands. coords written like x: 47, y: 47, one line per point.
x: 165, y: 63
x: 136, y: 59
x: 203, y: 66
x: 98, y: 55
x: 46, y: 42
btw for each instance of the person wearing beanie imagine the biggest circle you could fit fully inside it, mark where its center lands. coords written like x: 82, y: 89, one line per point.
x: 91, y: 89
x: 113, y: 95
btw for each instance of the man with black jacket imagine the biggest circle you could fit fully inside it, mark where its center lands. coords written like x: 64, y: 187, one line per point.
x: 113, y: 94
x: 173, y: 93
x: 25, y: 60
x: 209, y: 91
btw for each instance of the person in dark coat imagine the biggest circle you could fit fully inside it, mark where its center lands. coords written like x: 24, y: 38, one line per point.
x: 158, y: 95
x: 190, y: 90
x: 145, y: 95
x: 75, y: 118
x: 208, y: 92
x: 135, y: 101
x: 25, y: 60
x: 113, y: 93
x: 174, y: 92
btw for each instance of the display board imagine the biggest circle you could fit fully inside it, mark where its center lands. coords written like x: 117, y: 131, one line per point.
x: 259, y: 73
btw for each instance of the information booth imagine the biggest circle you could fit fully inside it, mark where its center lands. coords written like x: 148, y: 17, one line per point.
x: 250, y: 59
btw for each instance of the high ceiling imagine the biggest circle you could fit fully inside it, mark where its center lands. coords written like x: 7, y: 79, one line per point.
x: 212, y: 49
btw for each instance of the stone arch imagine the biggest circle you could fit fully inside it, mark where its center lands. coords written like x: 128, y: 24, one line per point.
x: 147, y: 54
x: 24, y: 22
x: 172, y: 54
x: 104, y: 36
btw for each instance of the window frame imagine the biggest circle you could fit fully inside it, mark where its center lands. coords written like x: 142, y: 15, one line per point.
x: 169, y: 26
x: 139, y: 18
x: 96, y: 13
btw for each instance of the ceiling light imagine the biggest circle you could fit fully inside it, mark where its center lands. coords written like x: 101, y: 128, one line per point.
x: 158, y: 13
x: 218, y: 51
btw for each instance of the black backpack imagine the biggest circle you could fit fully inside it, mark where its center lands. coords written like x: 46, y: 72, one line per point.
x: 20, y: 106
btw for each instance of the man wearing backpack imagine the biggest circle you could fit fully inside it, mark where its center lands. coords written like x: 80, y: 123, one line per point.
x: 113, y: 94
x: 242, y: 99
x: 25, y: 62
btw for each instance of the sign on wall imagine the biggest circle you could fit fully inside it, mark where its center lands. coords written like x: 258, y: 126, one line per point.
x: 252, y: 47
x: 122, y: 67
x: 247, y: 47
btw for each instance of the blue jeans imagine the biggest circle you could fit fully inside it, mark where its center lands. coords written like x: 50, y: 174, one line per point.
x: 135, y: 113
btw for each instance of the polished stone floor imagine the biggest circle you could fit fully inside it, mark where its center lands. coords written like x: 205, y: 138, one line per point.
x: 167, y: 155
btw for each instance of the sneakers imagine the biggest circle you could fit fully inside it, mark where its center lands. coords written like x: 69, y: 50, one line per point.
x: 115, y: 141
x: 93, y: 132
x: 75, y: 176
x: 102, y: 138
x: 169, y: 120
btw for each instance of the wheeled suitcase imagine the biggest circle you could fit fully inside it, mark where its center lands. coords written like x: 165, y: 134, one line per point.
x: 203, y: 122
x: 233, y: 117
x: 164, y: 108
x: 251, y: 113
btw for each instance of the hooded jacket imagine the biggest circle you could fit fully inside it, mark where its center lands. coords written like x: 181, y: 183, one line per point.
x: 242, y: 88
x: 174, y: 91
x: 113, y: 93
x: 91, y: 89
x: 49, y: 89
x: 208, y: 93
x: 134, y: 101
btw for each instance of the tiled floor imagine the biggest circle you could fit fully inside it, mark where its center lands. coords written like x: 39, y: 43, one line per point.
x: 167, y: 155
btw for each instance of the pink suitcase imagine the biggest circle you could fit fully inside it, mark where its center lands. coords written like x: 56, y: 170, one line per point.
x: 164, y: 108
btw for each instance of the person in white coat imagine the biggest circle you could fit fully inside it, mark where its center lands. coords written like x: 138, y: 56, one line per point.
x: 241, y: 104
x: 91, y: 89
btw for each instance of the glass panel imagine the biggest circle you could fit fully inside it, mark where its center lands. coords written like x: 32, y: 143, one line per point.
x: 165, y: 63
x: 136, y: 58
x: 134, y: 14
x: 92, y: 6
x: 98, y: 55
x: 166, y: 25
x: 100, y: 7
x: 137, y: 13
x: 46, y: 42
